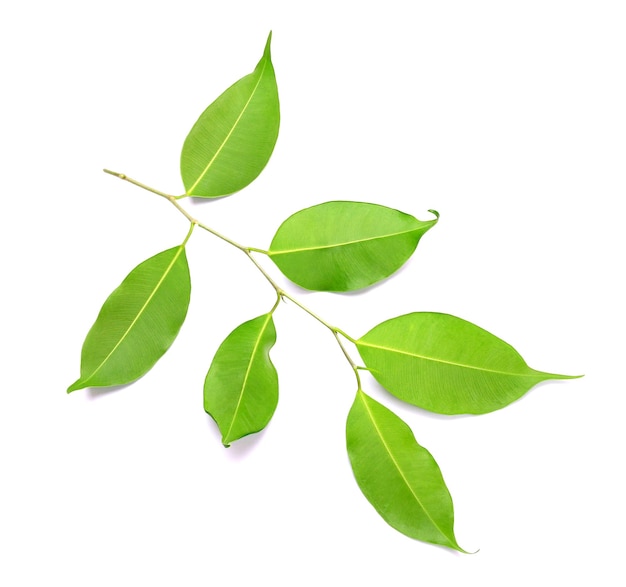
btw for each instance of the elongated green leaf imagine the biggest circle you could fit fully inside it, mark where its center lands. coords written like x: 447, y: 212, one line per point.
x: 137, y: 323
x: 241, y: 387
x: 343, y: 246
x: 447, y: 365
x: 399, y: 477
x: 234, y: 137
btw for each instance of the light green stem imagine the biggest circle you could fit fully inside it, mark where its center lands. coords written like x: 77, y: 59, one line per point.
x: 281, y: 294
x: 275, y: 305
x: 137, y: 183
x: 188, y: 234
x: 354, y: 366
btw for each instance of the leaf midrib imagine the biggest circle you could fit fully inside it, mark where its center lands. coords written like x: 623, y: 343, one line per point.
x: 219, y: 150
x: 399, y: 469
x: 245, y: 379
x: 139, y: 314
x: 531, y: 373
x: 343, y: 244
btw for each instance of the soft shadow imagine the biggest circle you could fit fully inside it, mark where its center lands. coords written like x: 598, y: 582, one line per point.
x: 543, y: 384
x: 96, y: 392
x: 377, y: 284
x: 239, y: 449
x: 392, y: 400
x: 302, y: 291
x: 452, y: 551
x: 197, y: 201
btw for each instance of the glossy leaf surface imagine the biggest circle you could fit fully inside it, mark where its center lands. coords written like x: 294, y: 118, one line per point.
x: 234, y: 137
x: 241, y: 387
x: 137, y: 323
x: 399, y: 477
x: 343, y: 246
x: 447, y: 365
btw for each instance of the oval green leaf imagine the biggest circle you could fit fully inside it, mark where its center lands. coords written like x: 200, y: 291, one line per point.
x: 241, y: 387
x: 446, y: 365
x: 399, y: 477
x: 232, y: 141
x: 137, y: 323
x: 344, y: 246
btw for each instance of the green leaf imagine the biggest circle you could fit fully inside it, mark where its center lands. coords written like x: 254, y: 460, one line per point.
x: 447, y: 365
x: 241, y: 387
x: 232, y: 141
x: 137, y: 323
x: 343, y: 246
x: 399, y: 477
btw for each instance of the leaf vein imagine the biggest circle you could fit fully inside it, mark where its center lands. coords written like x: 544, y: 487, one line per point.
x: 343, y: 244
x: 230, y: 132
x: 397, y: 466
x: 139, y: 314
x: 532, y: 372
x: 245, y: 379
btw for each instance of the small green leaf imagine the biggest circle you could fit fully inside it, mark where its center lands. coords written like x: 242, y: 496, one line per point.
x: 399, y: 477
x: 232, y: 141
x: 241, y: 387
x: 137, y: 323
x: 447, y: 365
x: 343, y: 246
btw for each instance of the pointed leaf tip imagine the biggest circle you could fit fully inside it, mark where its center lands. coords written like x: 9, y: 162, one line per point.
x: 233, y: 139
x: 137, y: 323
x: 241, y: 387
x: 345, y: 245
x: 421, y: 358
x: 559, y: 376
x: 266, y: 51
x: 399, y: 477
x: 75, y: 386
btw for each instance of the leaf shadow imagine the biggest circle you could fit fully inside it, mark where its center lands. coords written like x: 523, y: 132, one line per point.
x: 238, y: 449
x: 93, y: 393
x: 299, y: 290
x: 198, y: 201
x: 392, y: 401
x: 378, y: 284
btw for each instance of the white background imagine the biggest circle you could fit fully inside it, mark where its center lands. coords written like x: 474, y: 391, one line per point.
x: 506, y: 117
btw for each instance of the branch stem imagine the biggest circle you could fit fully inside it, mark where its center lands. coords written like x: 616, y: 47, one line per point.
x: 281, y: 293
x: 137, y: 183
x: 354, y: 366
x: 191, y: 227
